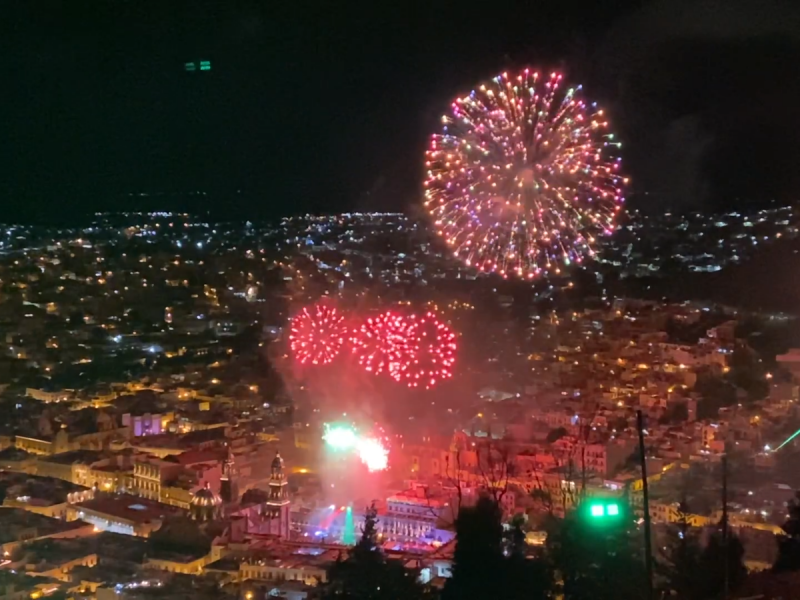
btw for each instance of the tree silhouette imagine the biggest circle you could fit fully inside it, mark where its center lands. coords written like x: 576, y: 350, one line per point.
x: 368, y: 543
x: 487, y: 564
x: 677, y: 412
x: 525, y: 578
x: 367, y: 574
x: 597, y: 560
x: 715, y: 392
x: 679, y: 567
x: 179, y: 535
x: 789, y: 545
x: 747, y: 372
x: 555, y: 434
x: 713, y: 567
x: 478, y: 552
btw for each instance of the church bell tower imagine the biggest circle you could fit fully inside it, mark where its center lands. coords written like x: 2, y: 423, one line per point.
x: 276, y: 509
x: 228, y: 483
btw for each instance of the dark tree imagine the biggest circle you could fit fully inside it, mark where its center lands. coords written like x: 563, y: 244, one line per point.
x: 713, y: 568
x: 679, y: 565
x: 715, y: 392
x: 618, y: 424
x: 478, y: 553
x: 367, y: 545
x: 179, y: 535
x: 789, y: 545
x: 747, y: 372
x: 525, y: 578
x: 555, y: 434
x: 597, y: 559
x: 368, y: 574
x: 678, y: 412
x: 487, y: 564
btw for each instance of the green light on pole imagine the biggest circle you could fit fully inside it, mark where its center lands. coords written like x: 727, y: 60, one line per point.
x: 599, y: 510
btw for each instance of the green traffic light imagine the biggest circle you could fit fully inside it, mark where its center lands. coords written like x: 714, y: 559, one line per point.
x: 598, y: 510
x: 612, y: 510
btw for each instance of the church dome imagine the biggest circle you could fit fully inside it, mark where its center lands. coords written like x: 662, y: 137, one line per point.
x: 205, y: 505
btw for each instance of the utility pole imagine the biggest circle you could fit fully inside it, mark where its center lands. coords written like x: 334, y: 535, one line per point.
x: 725, y: 535
x: 648, y: 545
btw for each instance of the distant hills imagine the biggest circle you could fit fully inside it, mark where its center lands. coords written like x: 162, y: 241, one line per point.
x: 769, y: 281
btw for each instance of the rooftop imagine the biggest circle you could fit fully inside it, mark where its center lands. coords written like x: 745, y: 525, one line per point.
x: 14, y: 454
x: 188, y: 440
x: 129, y: 508
x: 191, y: 457
x: 283, y: 554
x: 35, y: 489
x: 85, y: 457
x: 47, y: 553
x: 16, y: 521
x: 20, y: 582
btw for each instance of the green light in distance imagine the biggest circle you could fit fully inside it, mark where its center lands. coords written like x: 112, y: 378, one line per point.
x: 349, y: 532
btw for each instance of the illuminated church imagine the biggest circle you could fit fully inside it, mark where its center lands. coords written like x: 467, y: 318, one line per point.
x: 257, y: 513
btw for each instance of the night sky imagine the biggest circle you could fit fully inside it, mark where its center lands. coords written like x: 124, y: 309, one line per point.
x: 325, y: 106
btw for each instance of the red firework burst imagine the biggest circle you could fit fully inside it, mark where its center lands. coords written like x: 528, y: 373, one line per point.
x: 381, y: 342
x: 318, y: 333
x: 431, y: 353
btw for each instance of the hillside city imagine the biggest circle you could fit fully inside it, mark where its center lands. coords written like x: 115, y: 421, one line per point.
x: 157, y: 437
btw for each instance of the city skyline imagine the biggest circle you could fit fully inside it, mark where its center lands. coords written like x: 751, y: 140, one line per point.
x: 373, y: 301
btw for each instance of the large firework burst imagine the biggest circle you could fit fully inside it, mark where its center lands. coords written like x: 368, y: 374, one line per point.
x: 381, y: 341
x: 431, y: 353
x: 523, y: 176
x: 318, y: 333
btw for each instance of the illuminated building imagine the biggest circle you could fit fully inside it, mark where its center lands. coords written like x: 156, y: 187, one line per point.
x: 276, y: 509
x: 122, y: 513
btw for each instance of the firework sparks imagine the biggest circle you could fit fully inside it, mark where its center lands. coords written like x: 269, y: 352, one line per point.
x: 522, y: 177
x: 431, y: 356
x: 381, y: 341
x: 317, y: 335
x: 373, y: 454
x: 370, y: 450
x: 340, y: 437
